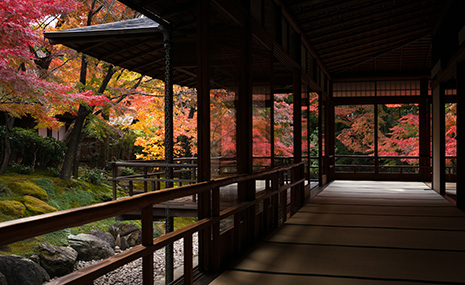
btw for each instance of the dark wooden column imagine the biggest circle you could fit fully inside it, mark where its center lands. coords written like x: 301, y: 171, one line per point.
x: 439, y: 149
x: 375, y: 141
x: 330, y: 135
x: 461, y: 135
x: 298, y: 194
x: 245, y: 223
x: 424, y: 132
x: 203, y: 126
x: 320, y: 139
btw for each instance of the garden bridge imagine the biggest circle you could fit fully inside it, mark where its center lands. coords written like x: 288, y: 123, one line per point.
x: 363, y: 227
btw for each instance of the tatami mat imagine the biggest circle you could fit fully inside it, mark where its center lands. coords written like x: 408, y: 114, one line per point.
x: 362, y: 232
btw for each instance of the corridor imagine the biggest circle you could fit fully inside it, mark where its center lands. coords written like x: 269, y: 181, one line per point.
x: 362, y: 232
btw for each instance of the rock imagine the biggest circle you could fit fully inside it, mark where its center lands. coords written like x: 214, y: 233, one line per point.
x: 57, y: 260
x: 35, y: 258
x: 90, y: 247
x: 37, y: 206
x: 134, y: 238
x: 3, y: 279
x: 31, y: 272
x: 122, y: 229
x: 104, y: 236
x: 130, y: 235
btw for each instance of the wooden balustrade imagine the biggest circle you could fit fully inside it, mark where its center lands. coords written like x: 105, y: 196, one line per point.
x: 286, y: 182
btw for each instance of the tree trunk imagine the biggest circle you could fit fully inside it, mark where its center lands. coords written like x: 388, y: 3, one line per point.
x: 9, y: 127
x: 74, y: 142
x: 71, y: 162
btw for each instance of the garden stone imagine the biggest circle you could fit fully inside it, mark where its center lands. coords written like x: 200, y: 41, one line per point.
x: 104, y: 236
x: 129, y: 235
x: 31, y: 272
x: 90, y: 247
x: 57, y: 260
x: 3, y: 279
x: 122, y: 229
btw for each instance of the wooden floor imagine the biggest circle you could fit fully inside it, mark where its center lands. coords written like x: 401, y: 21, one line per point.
x: 362, y: 232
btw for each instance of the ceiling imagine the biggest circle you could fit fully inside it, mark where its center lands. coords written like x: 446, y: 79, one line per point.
x: 369, y: 37
x: 352, y: 38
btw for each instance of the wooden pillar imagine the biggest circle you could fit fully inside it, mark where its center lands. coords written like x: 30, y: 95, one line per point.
x: 246, y: 190
x: 330, y: 134
x: 320, y: 140
x: 147, y: 240
x: 375, y: 141
x: 297, y: 192
x: 461, y: 135
x: 203, y: 126
x: 439, y: 149
x: 424, y: 132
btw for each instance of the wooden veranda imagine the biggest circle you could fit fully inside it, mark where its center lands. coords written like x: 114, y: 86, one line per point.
x: 347, y: 52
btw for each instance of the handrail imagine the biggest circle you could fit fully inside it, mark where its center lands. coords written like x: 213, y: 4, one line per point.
x: 21, y: 229
x: 17, y: 230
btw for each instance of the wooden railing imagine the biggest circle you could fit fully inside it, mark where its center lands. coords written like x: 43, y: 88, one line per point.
x: 280, y: 199
x: 153, y: 172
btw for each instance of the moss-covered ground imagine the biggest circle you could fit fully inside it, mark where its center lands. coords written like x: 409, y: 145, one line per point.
x: 37, y: 193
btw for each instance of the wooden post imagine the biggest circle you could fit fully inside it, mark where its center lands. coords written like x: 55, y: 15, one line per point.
x: 216, y: 254
x: 115, y: 175
x: 461, y: 135
x: 439, y: 149
x: 296, y: 192
x: 188, y: 264
x: 145, y: 181
x: 203, y: 126
x: 147, y: 240
x: 246, y: 189
x: 375, y: 141
x: 424, y: 118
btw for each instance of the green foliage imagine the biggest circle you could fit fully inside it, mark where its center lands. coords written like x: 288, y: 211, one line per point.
x: 26, y: 187
x: 95, y: 176
x: 31, y: 149
x: 54, y: 171
x: 21, y: 169
x: 125, y: 171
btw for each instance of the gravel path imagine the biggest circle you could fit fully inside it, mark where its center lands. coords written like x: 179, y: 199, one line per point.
x: 131, y: 273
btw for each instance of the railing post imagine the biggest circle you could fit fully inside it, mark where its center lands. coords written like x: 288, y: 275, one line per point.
x: 115, y: 175
x: 131, y: 188
x: 145, y: 179
x: 216, y: 254
x: 188, y: 264
x: 147, y: 240
x: 275, y: 200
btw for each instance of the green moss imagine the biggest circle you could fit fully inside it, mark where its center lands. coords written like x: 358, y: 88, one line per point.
x: 37, y: 206
x: 13, y: 208
x: 26, y: 187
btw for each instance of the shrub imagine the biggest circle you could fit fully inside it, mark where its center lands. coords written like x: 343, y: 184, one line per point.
x: 29, y: 148
x: 95, y: 176
x: 21, y: 169
x: 125, y: 171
